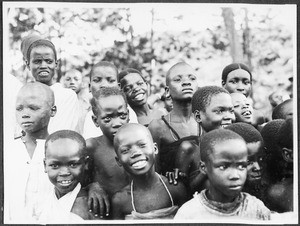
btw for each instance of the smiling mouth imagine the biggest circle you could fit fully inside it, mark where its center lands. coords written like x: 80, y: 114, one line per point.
x: 44, y: 73
x: 139, y: 96
x: 139, y: 164
x: 247, y: 114
x: 224, y: 125
x: 65, y: 183
x: 26, y: 124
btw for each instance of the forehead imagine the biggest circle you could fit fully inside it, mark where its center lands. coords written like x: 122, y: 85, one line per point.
x: 33, y: 94
x: 104, y: 71
x: 181, y: 69
x: 254, y: 148
x: 231, y: 149
x: 41, y: 50
x: 238, y: 97
x: 64, y: 148
x: 111, y: 102
x: 132, y: 135
x: 132, y: 77
x: 220, y: 100
x: 74, y: 75
x: 238, y: 74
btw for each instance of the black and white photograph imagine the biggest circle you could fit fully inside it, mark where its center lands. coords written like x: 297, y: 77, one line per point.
x: 149, y: 113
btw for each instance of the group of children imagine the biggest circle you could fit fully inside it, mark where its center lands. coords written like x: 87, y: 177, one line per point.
x: 138, y: 162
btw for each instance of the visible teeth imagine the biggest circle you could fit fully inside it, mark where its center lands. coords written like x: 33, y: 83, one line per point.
x: 139, y: 164
x: 139, y: 96
x: 44, y: 73
x: 65, y: 182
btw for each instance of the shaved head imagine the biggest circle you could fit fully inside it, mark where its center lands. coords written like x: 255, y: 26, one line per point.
x: 175, y: 66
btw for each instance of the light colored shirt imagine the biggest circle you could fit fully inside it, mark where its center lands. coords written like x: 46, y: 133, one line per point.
x: 90, y: 130
x: 67, y: 105
x: 201, y: 208
x: 57, y: 210
x: 25, y: 181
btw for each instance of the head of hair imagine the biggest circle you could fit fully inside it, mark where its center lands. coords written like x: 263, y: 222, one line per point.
x: 31, y: 41
x: 247, y: 131
x: 67, y: 134
x: 279, y: 110
x: 105, y: 92
x: 170, y: 70
x: 103, y: 64
x: 202, y: 97
x: 234, y: 66
x: 210, y: 139
x: 285, y: 134
x: 127, y: 71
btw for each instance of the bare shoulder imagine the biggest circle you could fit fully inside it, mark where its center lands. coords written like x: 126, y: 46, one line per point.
x: 178, y: 191
x: 121, y: 203
x: 93, y: 143
x: 157, y: 127
x: 81, y: 208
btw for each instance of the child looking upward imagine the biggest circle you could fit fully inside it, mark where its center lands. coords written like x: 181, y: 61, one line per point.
x: 135, y: 88
x: 242, y: 107
x: 224, y: 161
x: 41, y: 59
x: 65, y: 163
x: 178, y: 125
x: 149, y: 195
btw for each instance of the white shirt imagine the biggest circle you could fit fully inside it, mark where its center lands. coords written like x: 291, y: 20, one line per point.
x: 67, y: 106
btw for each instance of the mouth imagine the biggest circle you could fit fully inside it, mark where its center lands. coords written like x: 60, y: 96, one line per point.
x: 140, y: 164
x: 247, y: 114
x: 255, y: 177
x: 139, y: 97
x: 224, y: 125
x: 26, y: 124
x: 43, y: 73
x: 235, y: 187
x: 187, y: 90
x: 65, y: 183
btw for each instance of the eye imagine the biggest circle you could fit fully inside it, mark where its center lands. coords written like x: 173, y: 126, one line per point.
x: 49, y: 61
x: 222, y: 167
x: 34, y: 108
x: 233, y: 81
x: 236, y: 106
x: 112, y: 80
x: 124, y: 151
x: 242, y: 166
x: 36, y: 61
x: 140, y: 83
x: 123, y: 116
x: 247, y: 82
x: 249, y: 162
x: 192, y: 77
x: 127, y: 89
x: 54, y: 166
x: 107, y: 119
x: 74, y: 164
x: 19, y: 108
x: 142, y: 145
x: 96, y: 80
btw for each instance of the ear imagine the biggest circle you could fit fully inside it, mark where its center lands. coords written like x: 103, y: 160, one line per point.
x: 86, y: 161
x: 118, y: 161
x: 167, y: 91
x: 197, y: 116
x: 223, y: 83
x: 287, y: 154
x: 44, y: 161
x: 27, y: 64
x: 119, y: 85
x: 94, y: 118
x: 155, y: 148
x: 57, y: 62
x: 202, y: 167
x: 53, y: 111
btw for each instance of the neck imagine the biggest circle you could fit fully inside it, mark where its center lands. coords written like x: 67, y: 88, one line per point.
x: 141, y: 109
x: 145, y: 181
x: 41, y: 134
x: 182, y: 109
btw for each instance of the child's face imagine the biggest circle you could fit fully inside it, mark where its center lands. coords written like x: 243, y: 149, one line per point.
x: 238, y: 81
x: 182, y: 83
x: 65, y: 164
x: 103, y: 77
x: 288, y: 110
x: 42, y: 64
x: 255, y: 161
x: 226, y: 169
x: 135, y: 88
x: 112, y: 114
x: 218, y: 114
x: 73, y: 81
x: 33, y: 110
x: 242, y: 108
x: 135, y: 150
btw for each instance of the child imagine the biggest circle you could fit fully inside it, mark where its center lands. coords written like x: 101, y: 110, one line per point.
x: 149, y: 195
x: 212, y: 108
x: 73, y: 79
x: 135, y: 88
x: 41, y: 60
x: 103, y: 74
x: 179, y: 125
x: 65, y: 163
x: 242, y: 107
x: 256, y: 157
x: 284, y: 110
x: 110, y: 111
x: 34, y: 108
x: 224, y: 161
x: 280, y: 194
x: 236, y: 77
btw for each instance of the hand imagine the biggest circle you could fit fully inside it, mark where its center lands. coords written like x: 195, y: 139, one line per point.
x: 98, y: 200
x: 174, y: 176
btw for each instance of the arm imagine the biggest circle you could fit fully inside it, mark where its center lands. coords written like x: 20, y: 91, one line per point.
x: 155, y: 130
x: 117, y: 203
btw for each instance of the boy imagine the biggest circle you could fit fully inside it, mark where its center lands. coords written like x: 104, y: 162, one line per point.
x: 224, y: 161
x: 212, y: 108
x: 242, y: 107
x: 65, y: 163
x: 34, y: 108
x: 135, y: 88
x: 280, y: 194
x: 178, y: 125
x: 73, y: 79
x: 256, y: 157
x: 236, y: 77
x: 103, y: 74
x: 110, y: 111
x: 283, y: 110
x: 41, y: 59
x: 149, y: 196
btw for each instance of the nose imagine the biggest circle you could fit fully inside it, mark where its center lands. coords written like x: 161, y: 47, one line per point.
x: 229, y: 116
x: 240, y: 86
x: 186, y: 82
x: 135, y: 152
x: 64, y: 171
x: 234, y: 174
x: 256, y: 167
x: 25, y: 114
x: 117, y: 123
x: 104, y: 83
